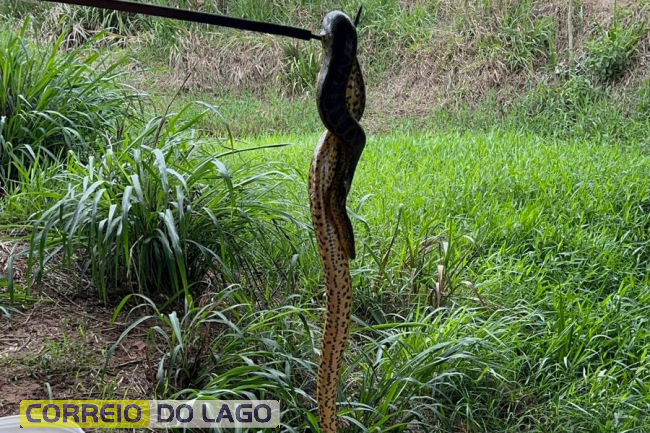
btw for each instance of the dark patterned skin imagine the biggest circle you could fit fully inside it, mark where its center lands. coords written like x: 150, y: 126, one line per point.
x: 341, y: 102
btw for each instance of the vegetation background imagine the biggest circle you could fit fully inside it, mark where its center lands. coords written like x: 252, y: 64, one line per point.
x: 154, y: 246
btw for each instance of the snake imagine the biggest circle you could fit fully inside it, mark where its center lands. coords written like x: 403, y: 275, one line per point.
x: 341, y: 101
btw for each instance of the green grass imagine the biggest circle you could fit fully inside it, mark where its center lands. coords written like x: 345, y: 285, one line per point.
x: 524, y: 74
x: 248, y: 115
x: 156, y: 213
x: 553, y: 236
x: 52, y: 102
x: 502, y: 280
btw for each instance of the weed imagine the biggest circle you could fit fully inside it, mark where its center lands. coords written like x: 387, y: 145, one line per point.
x: 612, y: 53
x: 559, y: 255
x: 52, y: 102
x: 524, y: 40
x: 156, y: 212
x: 302, y: 67
x: 230, y: 349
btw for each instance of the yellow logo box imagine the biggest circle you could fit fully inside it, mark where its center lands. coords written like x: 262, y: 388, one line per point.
x: 84, y: 413
x: 149, y: 413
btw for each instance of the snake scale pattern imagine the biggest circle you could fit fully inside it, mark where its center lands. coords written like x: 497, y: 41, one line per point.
x: 341, y: 102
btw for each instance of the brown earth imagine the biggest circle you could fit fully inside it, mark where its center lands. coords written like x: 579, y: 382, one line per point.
x: 55, y: 343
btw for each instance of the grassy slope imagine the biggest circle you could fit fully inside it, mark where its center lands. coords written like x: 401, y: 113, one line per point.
x: 427, y: 63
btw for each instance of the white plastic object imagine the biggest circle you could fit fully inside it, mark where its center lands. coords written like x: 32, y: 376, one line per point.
x: 11, y: 424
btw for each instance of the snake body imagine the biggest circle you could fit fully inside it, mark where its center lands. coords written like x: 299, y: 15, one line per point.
x: 341, y: 102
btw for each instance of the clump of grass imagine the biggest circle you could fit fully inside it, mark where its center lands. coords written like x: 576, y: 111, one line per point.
x: 613, y: 52
x: 53, y: 101
x: 22, y: 9
x: 569, y: 98
x: 519, y: 38
x: 32, y: 193
x: 157, y: 212
x: 78, y: 23
x: 577, y: 106
x: 302, y: 66
x: 225, y: 347
x: 527, y: 42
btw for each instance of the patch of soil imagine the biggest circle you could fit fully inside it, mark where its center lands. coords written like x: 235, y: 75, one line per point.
x: 59, y: 338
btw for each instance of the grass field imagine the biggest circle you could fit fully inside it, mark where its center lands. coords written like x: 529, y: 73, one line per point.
x: 502, y: 279
x: 541, y: 323
x: 553, y: 235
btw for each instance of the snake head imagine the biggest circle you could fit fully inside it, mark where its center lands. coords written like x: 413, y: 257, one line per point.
x: 335, y: 23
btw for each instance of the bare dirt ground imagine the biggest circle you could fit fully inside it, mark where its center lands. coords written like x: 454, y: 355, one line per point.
x: 55, y: 345
x: 61, y: 341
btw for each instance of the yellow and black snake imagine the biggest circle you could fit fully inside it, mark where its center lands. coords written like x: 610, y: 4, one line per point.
x: 341, y: 101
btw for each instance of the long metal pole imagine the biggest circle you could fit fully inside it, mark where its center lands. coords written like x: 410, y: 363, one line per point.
x: 194, y: 16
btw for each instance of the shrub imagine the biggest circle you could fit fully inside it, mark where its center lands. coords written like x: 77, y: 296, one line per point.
x: 51, y: 102
x: 157, y: 213
x: 613, y: 52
